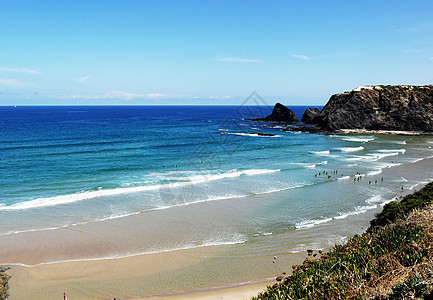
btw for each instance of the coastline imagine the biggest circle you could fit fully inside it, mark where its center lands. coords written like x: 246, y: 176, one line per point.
x: 79, y: 278
x: 314, y: 129
x: 165, y: 271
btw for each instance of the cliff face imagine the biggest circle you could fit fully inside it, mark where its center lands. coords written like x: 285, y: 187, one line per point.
x: 280, y: 114
x: 309, y: 115
x: 408, y: 108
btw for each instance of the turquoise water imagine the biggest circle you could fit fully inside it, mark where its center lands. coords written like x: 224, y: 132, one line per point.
x: 66, y: 166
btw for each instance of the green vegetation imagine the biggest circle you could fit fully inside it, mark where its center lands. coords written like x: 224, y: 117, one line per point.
x: 395, y: 210
x: 4, y: 278
x: 389, y: 261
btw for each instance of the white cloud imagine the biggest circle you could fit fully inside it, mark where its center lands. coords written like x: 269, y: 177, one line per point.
x: 237, y: 59
x: 130, y: 96
x: 220, y: 97
x: 304, y: 57
x: 412, y: 51
x: 430, y: 58
x: 165, y: 96
x: 20, y: 70
x: 14, y: 82
x: 108, y: 95
x: 81, y: 79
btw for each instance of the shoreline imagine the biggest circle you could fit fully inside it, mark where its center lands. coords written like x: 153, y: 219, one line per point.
x: 122, y: 278
x: 56, y: 278
x: 242, y: 290
x: 211, y: 269
x: 317, y: 130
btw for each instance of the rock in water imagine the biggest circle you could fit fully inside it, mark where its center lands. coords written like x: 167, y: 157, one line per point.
x: 280, y: 114
x: 309, y: 115
x: 402, y: 107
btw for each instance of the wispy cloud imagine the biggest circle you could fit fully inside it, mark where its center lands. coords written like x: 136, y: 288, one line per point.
x: 107, y: 95
x: 430, y: 58
x: 14, y: 82
x: 303, y: 57
x: 219, y: 97
x: 412, y: 51
x: 237, y: 59
x: 165, y: 96
x: 20, y: 70
x: 122, y: 95
x: 81, y: 79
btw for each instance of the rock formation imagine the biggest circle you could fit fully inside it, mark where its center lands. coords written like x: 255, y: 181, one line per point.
x: 309, y: 115
x: 405, y: 108
x: 280, y: 114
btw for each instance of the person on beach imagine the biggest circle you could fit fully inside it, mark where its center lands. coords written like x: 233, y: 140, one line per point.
x: 65, y: 297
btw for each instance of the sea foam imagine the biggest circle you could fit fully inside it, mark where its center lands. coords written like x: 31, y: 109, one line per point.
x: 180, y: 182
x: 350, y: 149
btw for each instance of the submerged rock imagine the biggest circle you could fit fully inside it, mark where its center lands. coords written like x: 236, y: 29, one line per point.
x: 309, y: 115
x: 264, y: 134
x: 280, y: 114
x: 403, y: 108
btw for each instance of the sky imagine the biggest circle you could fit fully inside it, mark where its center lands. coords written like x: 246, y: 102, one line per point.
x: 145, y: 52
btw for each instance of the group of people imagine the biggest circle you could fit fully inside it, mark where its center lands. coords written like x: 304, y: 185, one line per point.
x: 326, y: 174
x: 357, y: 178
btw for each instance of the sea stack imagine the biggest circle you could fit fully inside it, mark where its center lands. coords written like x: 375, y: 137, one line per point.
x: 280, y: 114
x: 399, y: 108
x: 309, y: 115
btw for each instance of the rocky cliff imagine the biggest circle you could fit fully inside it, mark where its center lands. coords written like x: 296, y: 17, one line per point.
x: 309, y: 115
x: 280, y: 114
x: 408, y: 108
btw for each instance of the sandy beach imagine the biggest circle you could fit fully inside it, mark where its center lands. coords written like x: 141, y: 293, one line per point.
x: 91, y: 261
x: 131, y: 278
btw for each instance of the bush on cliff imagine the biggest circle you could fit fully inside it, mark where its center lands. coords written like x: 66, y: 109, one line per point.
x: 395, y: 210
x: 4, y: 278
x: 394, y: 261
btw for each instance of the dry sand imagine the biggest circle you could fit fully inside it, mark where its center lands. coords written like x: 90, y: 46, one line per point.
x: 174, y: 273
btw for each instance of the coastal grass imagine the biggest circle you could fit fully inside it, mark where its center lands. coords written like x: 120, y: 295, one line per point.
x: 4, y: 278
x: 393, y: 259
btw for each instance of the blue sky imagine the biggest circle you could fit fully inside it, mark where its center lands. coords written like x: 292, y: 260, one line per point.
x: 208, y: 52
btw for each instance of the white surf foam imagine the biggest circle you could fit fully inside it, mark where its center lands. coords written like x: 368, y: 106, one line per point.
x: 375, y: 172
x: 321, y: 153
x: 358, y: 139
x: 358, y: 210
x: 250, y: 134
x: 416, y: 160
x: 375, y: 199
x: 71, y: 198
x: 312, y: 166
x: 219, y: 241
x: 374, y: 156
x: 350, y: 149
x: 403, y: 179
x: 402, y: 151
x: 311, y: 223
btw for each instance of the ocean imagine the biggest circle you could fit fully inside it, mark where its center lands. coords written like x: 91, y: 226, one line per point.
x: 198, y: 175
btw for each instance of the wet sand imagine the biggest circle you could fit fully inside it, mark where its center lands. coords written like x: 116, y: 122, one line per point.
x: 133, y: 277
x: 196, y: 272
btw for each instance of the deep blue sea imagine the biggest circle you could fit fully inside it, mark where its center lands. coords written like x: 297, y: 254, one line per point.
x: 65, y: 166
